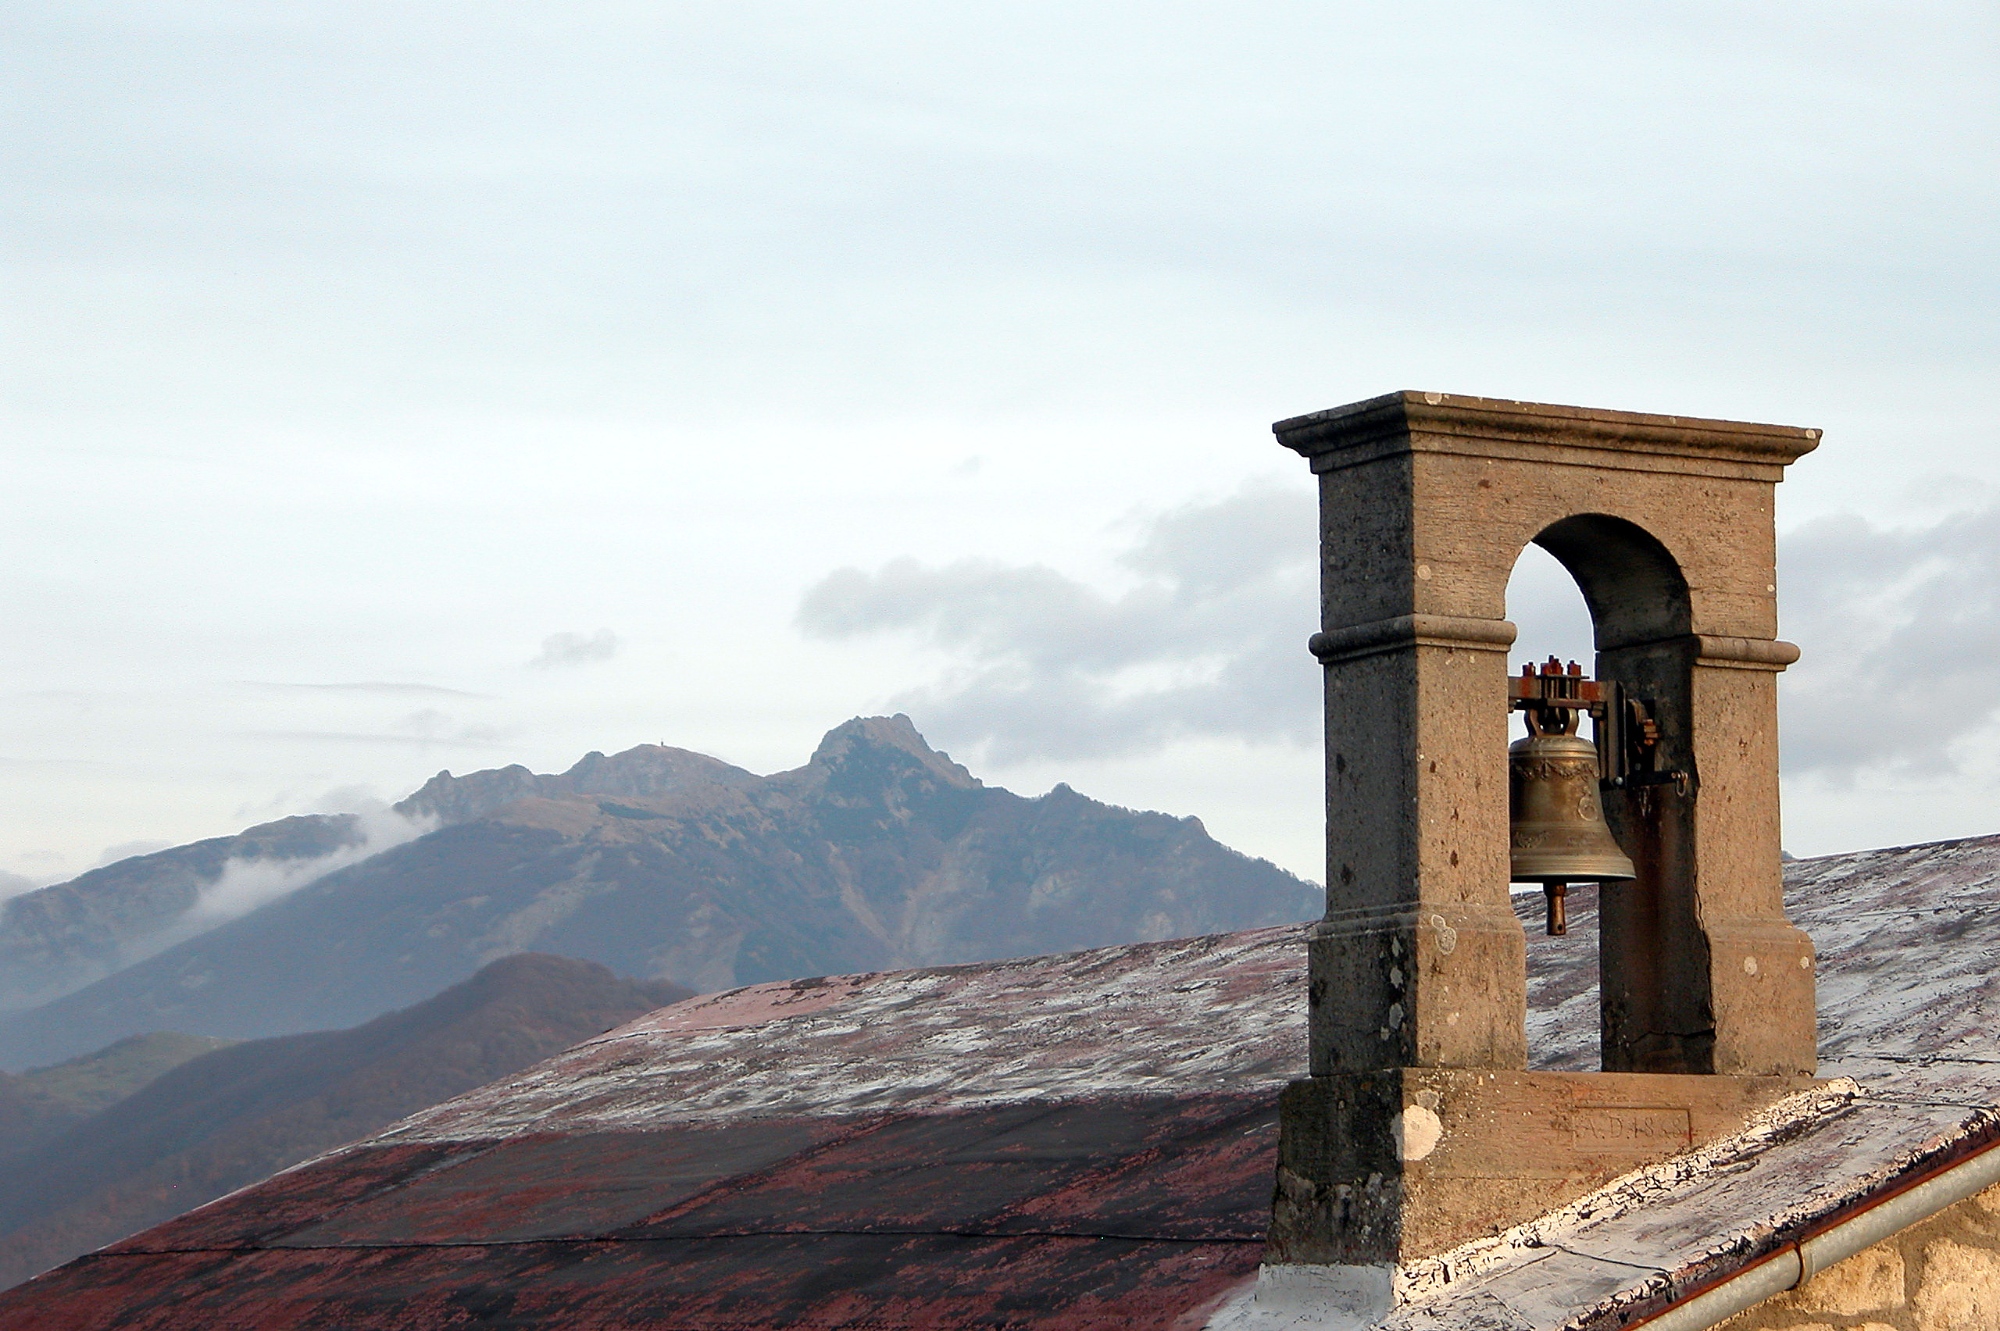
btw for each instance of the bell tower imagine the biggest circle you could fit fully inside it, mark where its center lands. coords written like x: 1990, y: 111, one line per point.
x: 1420, y: 1126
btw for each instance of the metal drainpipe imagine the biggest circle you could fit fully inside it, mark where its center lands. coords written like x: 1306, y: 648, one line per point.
x: 1794, y: 1265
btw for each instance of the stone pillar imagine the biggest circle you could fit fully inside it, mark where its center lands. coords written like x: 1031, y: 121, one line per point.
x: 1426, y: 501
x: 1419, y: 960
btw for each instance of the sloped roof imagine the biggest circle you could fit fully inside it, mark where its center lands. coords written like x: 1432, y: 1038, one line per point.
x: 1076, y: 1141
x: 1087, y: 1135
x: 1908, y: 1000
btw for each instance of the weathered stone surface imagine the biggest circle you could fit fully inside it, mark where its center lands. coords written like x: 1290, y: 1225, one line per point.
x: 1393, y: 1166
x: 1959, y: 1289
x: 1426, y: 502
x: 1941, y: 1274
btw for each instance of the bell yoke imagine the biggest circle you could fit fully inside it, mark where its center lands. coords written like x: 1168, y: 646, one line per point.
x: 1557, y: 834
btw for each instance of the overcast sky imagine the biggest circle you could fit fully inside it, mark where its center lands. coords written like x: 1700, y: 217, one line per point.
x: 389, y: 387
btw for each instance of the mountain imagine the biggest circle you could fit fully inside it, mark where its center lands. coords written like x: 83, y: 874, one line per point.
x: 99, y: 1080
x: 30, y: 1116
x: 41, y: 1104
x: 60, y: 938
x: 879, y: 853
x: 236, y: 1115
x: 648, y: 771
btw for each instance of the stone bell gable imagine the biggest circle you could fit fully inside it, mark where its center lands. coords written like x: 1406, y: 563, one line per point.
x: 1418, y: 998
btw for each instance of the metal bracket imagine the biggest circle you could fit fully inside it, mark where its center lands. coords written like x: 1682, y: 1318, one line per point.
x: 1627, y: 737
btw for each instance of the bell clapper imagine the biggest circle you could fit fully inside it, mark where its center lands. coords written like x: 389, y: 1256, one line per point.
x: 1558, y: 915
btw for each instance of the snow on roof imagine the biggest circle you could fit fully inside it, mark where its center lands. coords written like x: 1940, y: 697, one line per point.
x: 1908, y: 995
x: 1080, y: 1141
x: 1224, y: 1013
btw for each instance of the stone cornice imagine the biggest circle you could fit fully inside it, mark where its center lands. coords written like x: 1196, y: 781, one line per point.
x: 1409, y: 422
x: 1404, y: 631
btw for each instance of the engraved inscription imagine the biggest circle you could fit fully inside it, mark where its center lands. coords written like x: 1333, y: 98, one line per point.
x: 1634, y: 1129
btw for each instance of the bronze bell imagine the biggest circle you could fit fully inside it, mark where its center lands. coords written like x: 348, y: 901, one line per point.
x: 1558, y: 834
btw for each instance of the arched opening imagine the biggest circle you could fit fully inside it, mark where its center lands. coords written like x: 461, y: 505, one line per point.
x: 1548, y: 611
x: 1595, y: 994
x: 1631, y: 582
x: 1548, y: 608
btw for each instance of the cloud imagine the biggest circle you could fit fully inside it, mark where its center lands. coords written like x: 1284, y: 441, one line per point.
x: 375, y: 687
x: 246, y: 884
x: 1209, y: 642
x: 431, y: 726
x: 423, y: 729
x: 1900, y: 629
x: 574, y: 649
x: 14, y: 885
x: 350, y: 799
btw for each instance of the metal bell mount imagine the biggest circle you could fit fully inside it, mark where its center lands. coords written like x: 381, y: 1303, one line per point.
x: 1557, y: 832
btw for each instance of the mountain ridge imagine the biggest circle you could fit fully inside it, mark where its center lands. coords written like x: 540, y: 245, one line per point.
x: 56, y: 938
x: 225, y: 1119
x: 643, y: 770
x: 879, y: 852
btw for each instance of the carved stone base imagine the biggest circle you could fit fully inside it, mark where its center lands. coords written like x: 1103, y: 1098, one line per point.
x: 1383, y: 1168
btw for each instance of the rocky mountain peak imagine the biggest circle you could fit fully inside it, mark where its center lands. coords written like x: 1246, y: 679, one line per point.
x: 640, y: 772
x: 887, y: 745
x: 651, y: 769
x: 460, y: 799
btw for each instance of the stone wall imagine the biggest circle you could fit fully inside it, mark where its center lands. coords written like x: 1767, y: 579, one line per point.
x: 1941, y: 1275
